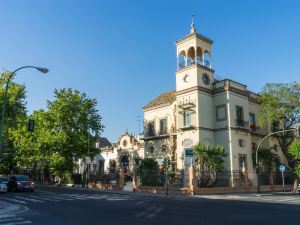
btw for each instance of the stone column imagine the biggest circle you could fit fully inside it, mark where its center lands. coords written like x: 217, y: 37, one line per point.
x: 192, y: 179
x: 121, y: 179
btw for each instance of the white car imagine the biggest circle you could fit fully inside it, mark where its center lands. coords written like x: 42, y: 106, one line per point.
x: 3, y: 185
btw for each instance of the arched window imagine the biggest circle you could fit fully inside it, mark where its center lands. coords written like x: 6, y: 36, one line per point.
x: 207, y: 62
x: 199, y: 58
x: 181, y: 59
x: 191, y: 56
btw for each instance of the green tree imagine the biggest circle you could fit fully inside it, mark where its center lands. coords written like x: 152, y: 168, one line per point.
x: 74, y: 125
x: 32, y: 148
x: 294, y: 150
x: 209, y: 161
x: 15, y: 113
x: 280, y: 107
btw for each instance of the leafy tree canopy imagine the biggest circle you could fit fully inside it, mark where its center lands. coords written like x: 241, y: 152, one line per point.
x: 280, y: 108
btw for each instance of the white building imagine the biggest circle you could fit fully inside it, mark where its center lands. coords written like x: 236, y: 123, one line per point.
x: 202, y: 109
x: 126, y: 153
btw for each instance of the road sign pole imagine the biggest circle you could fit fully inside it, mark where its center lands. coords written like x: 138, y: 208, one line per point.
x: 282, y: 173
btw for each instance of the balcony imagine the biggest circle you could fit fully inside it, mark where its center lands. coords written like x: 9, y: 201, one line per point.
x: 242, y: 123
x: 158, y: 134
x: 254, y: 128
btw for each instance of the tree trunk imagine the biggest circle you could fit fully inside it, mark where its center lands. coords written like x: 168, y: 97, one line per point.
x: 295, y: 185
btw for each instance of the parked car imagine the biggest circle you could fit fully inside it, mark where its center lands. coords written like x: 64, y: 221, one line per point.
x: 3, y: 184
x: 20, y: 183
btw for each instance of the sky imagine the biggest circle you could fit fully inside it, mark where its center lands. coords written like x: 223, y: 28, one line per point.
x: 123, y: 52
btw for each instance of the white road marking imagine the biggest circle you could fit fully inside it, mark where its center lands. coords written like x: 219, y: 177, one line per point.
x: 28, y: 199
x: 22, y: 222
x: 15, y: 200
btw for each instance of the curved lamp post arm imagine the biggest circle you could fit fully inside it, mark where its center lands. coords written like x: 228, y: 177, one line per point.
x: 256, y: 155
x: 41, y: 69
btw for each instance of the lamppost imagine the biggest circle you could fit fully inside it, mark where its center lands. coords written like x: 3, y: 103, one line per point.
x: 41, y: 69
x: 257, y: 161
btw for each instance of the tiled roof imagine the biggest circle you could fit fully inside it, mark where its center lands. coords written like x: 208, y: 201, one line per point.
x: 167, y: 97
x: 103, y: 142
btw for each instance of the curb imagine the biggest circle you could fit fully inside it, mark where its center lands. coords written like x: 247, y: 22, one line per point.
x: 9, y: 208
x: 158, y: 195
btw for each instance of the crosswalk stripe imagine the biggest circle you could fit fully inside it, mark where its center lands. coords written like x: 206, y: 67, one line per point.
x: 14, y: 200
x: 58, y: 198
x: 22, y: 222
x: 6, y: 216
x: 28, y: 199
x: 45, y: 198
x: 11, y: 219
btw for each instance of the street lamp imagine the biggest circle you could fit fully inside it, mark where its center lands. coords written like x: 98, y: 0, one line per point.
x: 41, y: 69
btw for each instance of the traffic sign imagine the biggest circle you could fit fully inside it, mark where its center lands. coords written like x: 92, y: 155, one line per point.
x: 282, y: 168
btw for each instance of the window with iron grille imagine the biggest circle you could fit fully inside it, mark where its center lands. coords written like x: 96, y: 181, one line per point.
x: 163, y: 126
x: 187, y: 118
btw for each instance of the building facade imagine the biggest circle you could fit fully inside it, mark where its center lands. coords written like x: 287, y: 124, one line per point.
x: 202, y: 109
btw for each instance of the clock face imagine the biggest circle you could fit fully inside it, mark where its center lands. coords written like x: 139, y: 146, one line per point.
x: 186, y: 78
x: 205, y: 79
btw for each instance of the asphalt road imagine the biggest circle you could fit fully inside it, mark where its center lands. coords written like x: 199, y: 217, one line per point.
x: 55, y: 206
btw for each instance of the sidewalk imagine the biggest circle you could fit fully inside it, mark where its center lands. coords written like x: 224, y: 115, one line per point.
x: 7, y: 208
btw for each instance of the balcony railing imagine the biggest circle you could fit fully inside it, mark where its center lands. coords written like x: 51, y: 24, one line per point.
x: 242, y: 123
x: 157, y: 134
x: 254, y: 128
x: 201, y: 62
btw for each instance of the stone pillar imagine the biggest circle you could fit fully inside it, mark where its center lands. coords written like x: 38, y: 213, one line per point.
x: 192, y: 179
x: 121, y: 179
x: 134, y: 179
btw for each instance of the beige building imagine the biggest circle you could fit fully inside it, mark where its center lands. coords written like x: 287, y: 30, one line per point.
x: 202, y: 109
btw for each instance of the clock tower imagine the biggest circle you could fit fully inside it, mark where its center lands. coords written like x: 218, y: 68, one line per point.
x: 194, y: 67
x: 194, y: 98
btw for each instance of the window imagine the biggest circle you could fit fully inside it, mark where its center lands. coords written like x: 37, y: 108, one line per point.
x: 151, y: 149
x: 186, y: 118
x: 221, y: 112
x: 254, y: 148
x: 243, y: 162
x: 163, y: 126
x: 239, y: 116
x: 150, y: 128
x: 242, y: 143
x: 163, y: 148
x: 252, y: 122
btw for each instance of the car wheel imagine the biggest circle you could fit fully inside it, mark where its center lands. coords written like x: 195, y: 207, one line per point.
x: 31, y: 190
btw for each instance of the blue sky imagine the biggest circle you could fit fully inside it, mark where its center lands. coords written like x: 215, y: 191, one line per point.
x: 123, y: 54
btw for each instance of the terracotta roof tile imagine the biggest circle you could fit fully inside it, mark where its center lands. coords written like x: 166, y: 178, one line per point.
x: 167, y: 97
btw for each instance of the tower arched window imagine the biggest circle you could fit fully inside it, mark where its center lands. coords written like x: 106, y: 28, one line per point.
x: 199, y: 57
x: 207, y: 62
x: 181, y: 59
x: 191, y: 55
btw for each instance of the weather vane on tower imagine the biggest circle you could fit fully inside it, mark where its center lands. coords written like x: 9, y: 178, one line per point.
x: 193, y: 25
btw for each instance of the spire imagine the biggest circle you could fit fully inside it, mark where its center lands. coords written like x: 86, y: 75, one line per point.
x: 193, y: 26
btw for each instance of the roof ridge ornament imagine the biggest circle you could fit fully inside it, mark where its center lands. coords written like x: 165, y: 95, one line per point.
x: 193, y: 25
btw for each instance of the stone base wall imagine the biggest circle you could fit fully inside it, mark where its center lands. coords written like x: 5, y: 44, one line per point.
x: 103, y: 186
x: 252, y: 189
x: 161, y: 190
x: 213, y: 190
